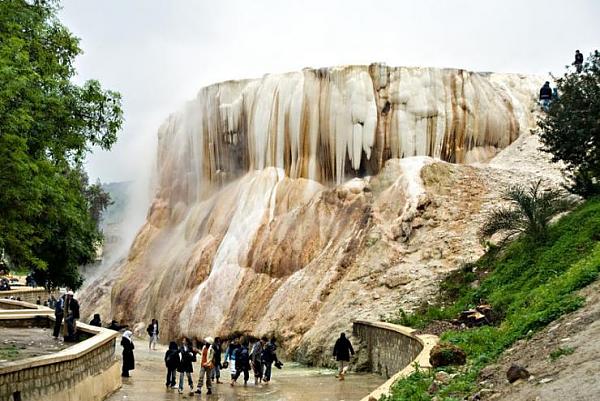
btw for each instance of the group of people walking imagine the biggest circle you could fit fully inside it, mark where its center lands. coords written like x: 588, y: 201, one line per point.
x: 210, y: 356
x: 239, y: 358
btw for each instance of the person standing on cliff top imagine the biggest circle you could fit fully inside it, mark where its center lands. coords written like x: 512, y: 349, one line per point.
x: 152, y: 331
x: 341, y: 352
x: 578, y: 63
x: 545, y: 96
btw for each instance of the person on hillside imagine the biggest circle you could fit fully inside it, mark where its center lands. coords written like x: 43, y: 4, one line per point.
x: 230, y: 355
x: 216, y: 372
x: 341, y: 352
x: 152, y: 331
x: 207, y: 355
x: 578, y: 63
x: 71, y: 311
x: 269, y: 356
x: 58, y: 315
x: 186, y: 357
x: 256, y: 359
x: 242, y: 363
x: 171, y: 363
x: 96, y: 321
x: 545, y: 96
x: 128, y: 359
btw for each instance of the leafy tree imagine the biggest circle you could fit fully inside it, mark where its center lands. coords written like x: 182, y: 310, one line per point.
x: 98, y: 200
x: 47, y: 126
x: 529, y: 213
x: 571, y: 128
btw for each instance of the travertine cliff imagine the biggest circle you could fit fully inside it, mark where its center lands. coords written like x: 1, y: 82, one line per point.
x: 295, y: 203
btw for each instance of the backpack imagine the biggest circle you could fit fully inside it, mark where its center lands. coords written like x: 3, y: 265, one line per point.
x: 242, y: 358
x: 172, y: 359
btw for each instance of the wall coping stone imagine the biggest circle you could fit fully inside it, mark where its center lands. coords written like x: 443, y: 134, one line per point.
x: 23, y: 306
x: 100, y: 337
x: 428, y: 341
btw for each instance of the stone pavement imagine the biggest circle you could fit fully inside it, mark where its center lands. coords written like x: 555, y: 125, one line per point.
x: 147, y: 383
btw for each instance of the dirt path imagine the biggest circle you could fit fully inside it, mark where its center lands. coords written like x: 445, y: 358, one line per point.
x: 293, y: 383
x: 574, y: 376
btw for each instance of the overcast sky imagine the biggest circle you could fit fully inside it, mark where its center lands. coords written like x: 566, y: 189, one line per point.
x: 159, y: 53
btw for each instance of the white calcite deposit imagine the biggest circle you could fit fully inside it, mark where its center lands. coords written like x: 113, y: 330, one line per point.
x: 294, y: 203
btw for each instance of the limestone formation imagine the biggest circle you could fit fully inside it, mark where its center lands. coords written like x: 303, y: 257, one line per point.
x: 298, y: 202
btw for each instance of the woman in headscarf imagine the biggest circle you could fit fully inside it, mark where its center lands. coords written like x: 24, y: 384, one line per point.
x: 128, y: 361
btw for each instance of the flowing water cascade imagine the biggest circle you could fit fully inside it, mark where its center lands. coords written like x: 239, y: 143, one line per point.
x: 288, y: 204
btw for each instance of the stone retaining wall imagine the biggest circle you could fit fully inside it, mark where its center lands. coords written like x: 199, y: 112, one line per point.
x: 86, y: 371
x: 392, y: 351
x: 29, y: 294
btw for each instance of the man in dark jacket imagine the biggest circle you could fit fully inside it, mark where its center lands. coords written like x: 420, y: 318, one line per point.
x: 269, y: 355
x: 216, y: 372
x: 545, y: 95
x: 341, y: 352
x: 171, y: 363
x: 71, y: 311
x: 578, y: 63
x: 58, y: 315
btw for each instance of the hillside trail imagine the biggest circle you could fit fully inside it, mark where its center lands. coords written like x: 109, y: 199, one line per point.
x: 293, y: 382
x: 570, y: 377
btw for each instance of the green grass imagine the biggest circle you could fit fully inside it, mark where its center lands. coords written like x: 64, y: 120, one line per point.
x: 554, y: 355
x: 8, y: 352
x: 528, y: 284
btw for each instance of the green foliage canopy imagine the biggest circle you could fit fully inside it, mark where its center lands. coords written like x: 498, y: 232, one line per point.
x: 47, y: 126
x: 570, y: 130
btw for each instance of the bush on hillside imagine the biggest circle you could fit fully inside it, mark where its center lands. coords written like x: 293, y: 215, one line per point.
x: 530, y: 211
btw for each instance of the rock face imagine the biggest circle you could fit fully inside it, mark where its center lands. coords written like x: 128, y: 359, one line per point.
x: 295, y: 203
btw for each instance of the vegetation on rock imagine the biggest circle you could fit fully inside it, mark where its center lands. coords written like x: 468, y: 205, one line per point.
x: 529, y: 283
x: 529, y: 213
x: 47, y: 125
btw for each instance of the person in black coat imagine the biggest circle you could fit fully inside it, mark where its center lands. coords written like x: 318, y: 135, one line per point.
x: 96, y: 321
x: 152, y: 331
x: 172, y: 363
x: 578, y: 63
x: 128, y: 347
x: 269, y: 355
x: 216, y: 372
x: 187, y: 355
x: 341, y: 352
x: 71, y: 311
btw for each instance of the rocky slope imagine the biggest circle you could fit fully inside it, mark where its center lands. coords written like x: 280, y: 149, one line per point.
x: 573, y: 376
x: 296, y: 203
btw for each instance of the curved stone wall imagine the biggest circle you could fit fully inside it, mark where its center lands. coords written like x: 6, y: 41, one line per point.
x: 393, y: 351
x: 86, y: 371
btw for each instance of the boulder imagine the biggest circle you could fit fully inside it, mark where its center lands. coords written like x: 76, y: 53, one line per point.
x: 447, y: 354
x: 516, y: 372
